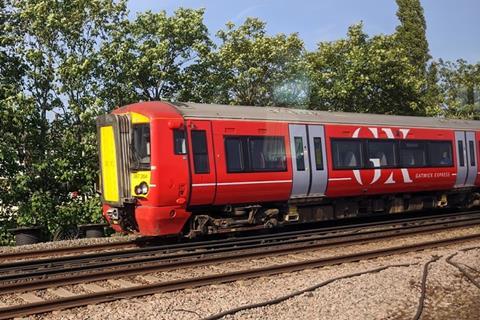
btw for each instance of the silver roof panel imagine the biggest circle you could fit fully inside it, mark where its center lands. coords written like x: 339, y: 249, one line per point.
x: 214, y: 111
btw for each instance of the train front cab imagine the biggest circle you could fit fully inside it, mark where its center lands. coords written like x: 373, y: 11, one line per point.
x: 144, y: 183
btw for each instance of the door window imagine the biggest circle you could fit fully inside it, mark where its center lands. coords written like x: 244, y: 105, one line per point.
x: 461, y: 154
x: 299, y: 153
x: 200, y: 151
x: 471, y: 148
x: 317, y: 145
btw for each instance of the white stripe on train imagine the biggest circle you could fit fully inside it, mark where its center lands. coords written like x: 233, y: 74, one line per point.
x: 238, y: 183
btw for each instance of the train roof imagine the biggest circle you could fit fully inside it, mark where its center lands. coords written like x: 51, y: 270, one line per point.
x: 215, y: 111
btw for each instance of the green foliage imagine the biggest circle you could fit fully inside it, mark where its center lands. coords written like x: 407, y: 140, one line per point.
x: 411, y: 33
x: 62, y: 63
x: 411, y: 36
x: 252, y: 68
x: 460, y: 88
x: 50, y: 122
x: 432, y: 98
x: 150, y: 58
x: 12, y: 122
x: 362, y: 74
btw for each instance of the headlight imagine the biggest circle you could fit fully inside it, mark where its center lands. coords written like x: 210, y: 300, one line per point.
x: 138, y: 190
x: 144, y: 187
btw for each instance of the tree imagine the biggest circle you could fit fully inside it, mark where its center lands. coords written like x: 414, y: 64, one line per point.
x: 57, y: 45
x: 460, y: 87
x: 362, y: 74
x: 433, y: 97
x: 411, y: 33
x: 149, y: 58
x: 11, y: 118
x: 252, y: 68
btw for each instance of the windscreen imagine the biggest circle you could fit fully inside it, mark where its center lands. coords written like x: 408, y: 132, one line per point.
x: 141, y: 146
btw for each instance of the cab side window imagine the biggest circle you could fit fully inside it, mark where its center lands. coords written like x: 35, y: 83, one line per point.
x: 179, y: 142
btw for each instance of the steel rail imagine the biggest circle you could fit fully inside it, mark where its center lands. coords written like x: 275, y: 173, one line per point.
x: 232, y: 254
x: 100, y: 297
x: 67, y: 250
x: 242, y: 245
x: 147, y: 241
x: 211, y: 244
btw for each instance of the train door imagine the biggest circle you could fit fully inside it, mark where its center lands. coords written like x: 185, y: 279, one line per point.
x: 300, y: 160
x: 202, y: 162
x: 466, y: 158
x: 472, y: 160
x: 307, y: 144
x: 318, y: 160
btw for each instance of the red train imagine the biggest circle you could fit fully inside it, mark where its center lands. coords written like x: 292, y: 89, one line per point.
x: 197, y: 168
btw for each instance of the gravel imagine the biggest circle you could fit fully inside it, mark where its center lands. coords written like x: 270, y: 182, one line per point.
x: 66, y: 243
x: 390, y: 294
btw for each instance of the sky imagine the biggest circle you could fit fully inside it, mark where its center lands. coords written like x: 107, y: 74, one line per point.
x: 453, y: 26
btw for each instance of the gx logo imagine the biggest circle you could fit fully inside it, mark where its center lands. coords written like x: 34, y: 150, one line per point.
x: 377, y: 161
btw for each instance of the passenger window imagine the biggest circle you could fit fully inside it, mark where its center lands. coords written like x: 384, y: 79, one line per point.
x: 413, y: 154
x: 471, y: 148
x: 179, y: 143
x: 200, y: 152
x: 317, y: 144
x: 299, y: 154
x: 381, y: 153
x: 234, y: 152
x: 267, y: 154
x: 461, y: 154
x: 347, y: 154
x: 440, y: 153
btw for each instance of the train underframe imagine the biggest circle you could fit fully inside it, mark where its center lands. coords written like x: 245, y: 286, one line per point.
x: 270, y: 215
x: 230, y: 218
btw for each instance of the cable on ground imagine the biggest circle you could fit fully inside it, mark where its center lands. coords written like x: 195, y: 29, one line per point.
x: 462, y: 270
x: 421, y: 300
x: 299, y: 292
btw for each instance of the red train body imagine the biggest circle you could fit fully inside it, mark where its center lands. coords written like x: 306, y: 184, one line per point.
x: 196, y: 168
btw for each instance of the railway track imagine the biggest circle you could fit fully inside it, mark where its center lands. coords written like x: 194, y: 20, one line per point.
x: 146, y: 243
x: 31, y: 254
x: 99, y: 297
x: 183, y: 256
x: 13, y: 276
